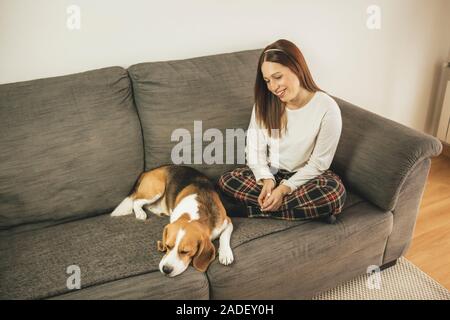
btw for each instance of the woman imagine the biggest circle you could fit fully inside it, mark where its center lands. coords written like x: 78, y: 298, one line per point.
x: 300, y: 125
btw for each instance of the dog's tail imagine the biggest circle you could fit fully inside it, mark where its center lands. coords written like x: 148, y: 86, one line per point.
x: 124, y: 208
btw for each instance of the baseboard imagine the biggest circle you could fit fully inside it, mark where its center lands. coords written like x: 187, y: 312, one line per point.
x: 446, y: 149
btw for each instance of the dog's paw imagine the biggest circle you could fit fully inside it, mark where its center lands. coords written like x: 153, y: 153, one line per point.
x: 226, y: 256
x: 141, y: 215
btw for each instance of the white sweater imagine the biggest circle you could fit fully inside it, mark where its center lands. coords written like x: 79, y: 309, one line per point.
x: 307, y: 147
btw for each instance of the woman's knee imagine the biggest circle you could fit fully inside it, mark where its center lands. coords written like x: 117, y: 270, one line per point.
x: 239, y: 183
x: 223, y: 179
x: 337, y: 194
x: 238, y: 173
x: 227, y: 181
x: 319, y: 194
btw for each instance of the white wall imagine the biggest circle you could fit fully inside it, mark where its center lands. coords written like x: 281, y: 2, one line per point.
x: 393, y: 71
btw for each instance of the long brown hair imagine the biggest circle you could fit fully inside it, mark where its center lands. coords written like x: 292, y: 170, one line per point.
x: 270, y: 111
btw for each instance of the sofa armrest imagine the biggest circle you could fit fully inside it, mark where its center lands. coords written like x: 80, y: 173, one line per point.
x: 375, y: 155
x: 406, y: 212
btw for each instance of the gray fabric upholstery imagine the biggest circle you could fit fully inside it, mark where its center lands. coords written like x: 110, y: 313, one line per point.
x: 218, y: 90
x: 306, y: 258
x: 71, y: 146
x: 107, y: 249
x: 191, y: 285
x: 375, y: 154
x: 406, y: 211
x: 34, y: 263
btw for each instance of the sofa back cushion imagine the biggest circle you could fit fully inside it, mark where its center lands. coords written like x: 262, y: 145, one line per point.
x: 186, y: 107
x: 71, y: 146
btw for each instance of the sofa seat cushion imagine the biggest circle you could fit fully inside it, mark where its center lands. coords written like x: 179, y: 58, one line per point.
x: 34, y: 263
x: 191, y: 285
x: 291, y: 264
x: 106, y: 249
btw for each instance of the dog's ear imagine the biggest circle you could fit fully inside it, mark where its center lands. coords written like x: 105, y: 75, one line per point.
x: 205, y: 255
x: 162, y: 244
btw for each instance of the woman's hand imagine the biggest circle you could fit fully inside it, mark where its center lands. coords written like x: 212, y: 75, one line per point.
x: 274, y: 201
x: 266, y: 191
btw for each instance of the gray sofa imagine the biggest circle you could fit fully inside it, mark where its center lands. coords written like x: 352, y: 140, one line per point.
x: 73, y: 146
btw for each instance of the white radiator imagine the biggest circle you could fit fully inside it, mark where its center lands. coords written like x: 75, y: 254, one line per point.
x: 443, y: 132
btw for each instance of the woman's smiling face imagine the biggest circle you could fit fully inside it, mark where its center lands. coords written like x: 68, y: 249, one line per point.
x: 280, y: 80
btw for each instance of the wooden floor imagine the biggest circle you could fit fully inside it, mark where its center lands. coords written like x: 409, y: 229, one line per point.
x: 430, y: 248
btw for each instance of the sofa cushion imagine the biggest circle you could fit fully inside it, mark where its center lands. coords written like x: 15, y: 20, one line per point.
x: 216, y: 90
x: 191, y: 285
x: 71, y: 146
x: 304, y: 259
x: 106, y: 249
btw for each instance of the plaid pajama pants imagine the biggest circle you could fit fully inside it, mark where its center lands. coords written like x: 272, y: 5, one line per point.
x: 322, y: 196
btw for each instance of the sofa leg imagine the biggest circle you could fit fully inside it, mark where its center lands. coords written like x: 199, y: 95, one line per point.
x: 330, y: 219
x: 388, y: 265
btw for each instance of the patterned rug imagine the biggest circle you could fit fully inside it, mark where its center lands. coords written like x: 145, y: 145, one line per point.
x: 404, y: 281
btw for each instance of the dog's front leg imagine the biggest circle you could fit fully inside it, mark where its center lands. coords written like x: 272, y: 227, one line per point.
x: 225, y: 253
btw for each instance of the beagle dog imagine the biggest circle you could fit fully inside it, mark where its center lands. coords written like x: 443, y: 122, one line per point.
x: 197, y: 217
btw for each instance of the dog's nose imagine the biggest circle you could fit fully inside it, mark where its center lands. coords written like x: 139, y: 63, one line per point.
x: 167, y: 269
